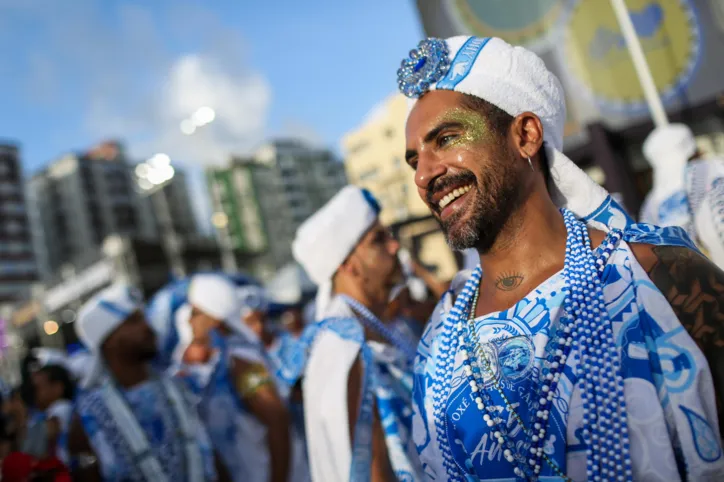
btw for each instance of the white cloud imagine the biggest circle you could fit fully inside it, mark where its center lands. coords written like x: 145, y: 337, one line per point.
x: 135, y: 84
x: 239, y: 99
x: 137, y: 72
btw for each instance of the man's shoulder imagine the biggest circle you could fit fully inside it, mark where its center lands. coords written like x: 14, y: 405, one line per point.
x: 343, y: 328
x: 678, y: 261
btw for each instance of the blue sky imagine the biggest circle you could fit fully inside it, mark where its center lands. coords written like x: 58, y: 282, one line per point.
x: 76, y: 72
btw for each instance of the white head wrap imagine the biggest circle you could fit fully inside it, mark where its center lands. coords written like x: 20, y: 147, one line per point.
x: 325, y: 240
x: 515, y: 80
x: 670, y: 146
x: 100, y: 317
x: 220, y: 298
x: 215, y: 295
x: 50, y: 356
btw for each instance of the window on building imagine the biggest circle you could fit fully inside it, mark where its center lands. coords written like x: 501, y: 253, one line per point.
x: 369, y: 174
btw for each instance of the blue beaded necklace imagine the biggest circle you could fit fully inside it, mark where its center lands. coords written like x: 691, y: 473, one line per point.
x: 584, y: 319
x: 374, y: 323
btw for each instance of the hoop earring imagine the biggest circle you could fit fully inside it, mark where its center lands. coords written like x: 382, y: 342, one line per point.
x: 530, y: 163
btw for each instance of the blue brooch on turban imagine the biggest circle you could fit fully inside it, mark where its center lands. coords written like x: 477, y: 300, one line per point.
x: 427, y: 64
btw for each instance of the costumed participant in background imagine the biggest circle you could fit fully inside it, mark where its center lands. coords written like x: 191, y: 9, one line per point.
x: 688, y: 189
x: 132, y: 424
x: 168, y: 312
x: 54, y: 393
x: 566, y: 357
x: 274, y: 344
x: 239, y: 403
x: 355, y: 372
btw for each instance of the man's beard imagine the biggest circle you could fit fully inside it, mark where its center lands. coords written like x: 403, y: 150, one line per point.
x: 495, y: 196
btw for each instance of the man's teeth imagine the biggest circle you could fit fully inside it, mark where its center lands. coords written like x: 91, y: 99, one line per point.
x: 450, y: 197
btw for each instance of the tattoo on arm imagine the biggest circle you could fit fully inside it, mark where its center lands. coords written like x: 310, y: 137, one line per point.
x: 694, y: 287
x: 508, y: 281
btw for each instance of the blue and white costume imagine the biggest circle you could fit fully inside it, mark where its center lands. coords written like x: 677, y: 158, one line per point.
x: 590, y: 376
x: 688, y: 194
x: 175, y: 438
x: 240, y: 438
x: 328, y: 349
x: 149, y: 432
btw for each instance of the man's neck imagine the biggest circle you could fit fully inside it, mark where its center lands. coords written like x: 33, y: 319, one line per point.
x: 530, y: 245
x: 128, y: 374
x: 376, y: 308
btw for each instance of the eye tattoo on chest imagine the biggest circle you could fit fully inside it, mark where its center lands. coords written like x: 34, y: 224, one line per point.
x: 508, y: 281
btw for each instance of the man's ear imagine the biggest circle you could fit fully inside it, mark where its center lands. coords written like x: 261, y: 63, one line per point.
x: 349, y: 266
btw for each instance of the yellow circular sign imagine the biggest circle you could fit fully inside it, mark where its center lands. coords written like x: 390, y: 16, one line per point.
x: 597, y: 56
x: 520, y: 22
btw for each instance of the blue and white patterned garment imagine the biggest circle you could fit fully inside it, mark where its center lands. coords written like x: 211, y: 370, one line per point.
x: 697, y: 206
x: 280, y: 350
x: 150, y: 407
x: 236, y: 434
x: 671, y: 211
x: 387, y: 381
x: 672, y: 418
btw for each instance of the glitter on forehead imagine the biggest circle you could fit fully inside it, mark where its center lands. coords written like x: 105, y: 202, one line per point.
x: 475, y: 127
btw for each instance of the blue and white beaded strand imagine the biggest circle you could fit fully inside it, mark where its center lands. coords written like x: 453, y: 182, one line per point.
x: 369, y: 319
x: 599, y: 369
x: 444, y: 367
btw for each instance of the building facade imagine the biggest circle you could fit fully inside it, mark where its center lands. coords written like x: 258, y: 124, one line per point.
x: 83, y: 198
x: 375, y: 159
x: 177, y: 194
x: 17, y: 261
x: 264, y: 198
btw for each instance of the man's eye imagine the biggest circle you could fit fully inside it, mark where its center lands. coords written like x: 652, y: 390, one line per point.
x: 443, y: 140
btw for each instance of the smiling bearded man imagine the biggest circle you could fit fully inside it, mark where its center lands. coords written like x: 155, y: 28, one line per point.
x: 570, y: 358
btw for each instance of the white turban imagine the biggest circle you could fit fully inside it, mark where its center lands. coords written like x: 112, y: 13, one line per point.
x: 218, y: 297
x: 515, y: 80
x: 325, y: 240
x: 104, y: 313
x: 101, y: 316
x: 50, y: 356
x: 670, y: 146
x: 215, y: 295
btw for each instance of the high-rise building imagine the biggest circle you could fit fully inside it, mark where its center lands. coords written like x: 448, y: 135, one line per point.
x: 17, y: 262
x: 179, y: 202
x: 375, y: 160
x: 81, y: 199
x: 265, y: 197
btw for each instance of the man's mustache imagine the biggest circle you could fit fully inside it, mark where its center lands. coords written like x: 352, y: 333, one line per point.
x: 442, y: 183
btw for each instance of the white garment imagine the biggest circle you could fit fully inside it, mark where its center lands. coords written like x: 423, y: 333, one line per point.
x: 61, y: 410
x: 707, y: 205
x: 326, y: 418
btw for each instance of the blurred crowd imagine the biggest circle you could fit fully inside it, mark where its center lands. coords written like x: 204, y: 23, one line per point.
x: 37, y: 414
